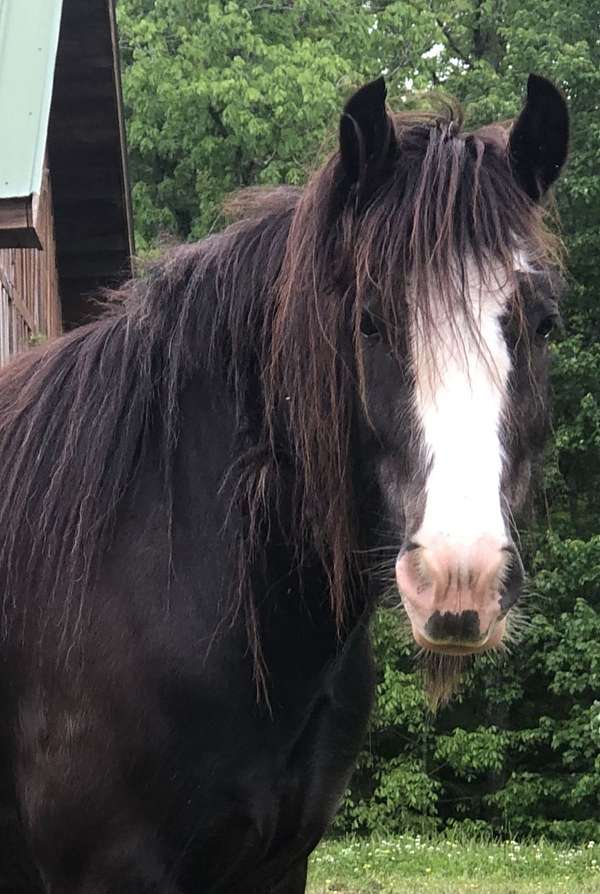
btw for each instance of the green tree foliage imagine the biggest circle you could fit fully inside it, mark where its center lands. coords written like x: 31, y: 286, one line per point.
x: 226, y: 94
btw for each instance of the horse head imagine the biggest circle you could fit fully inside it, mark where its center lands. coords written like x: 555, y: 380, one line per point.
x: 421, y: 278
x: 450, y: 229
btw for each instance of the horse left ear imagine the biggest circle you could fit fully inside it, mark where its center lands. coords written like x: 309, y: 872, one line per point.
x: 367, y: 136
x: 539, y: 139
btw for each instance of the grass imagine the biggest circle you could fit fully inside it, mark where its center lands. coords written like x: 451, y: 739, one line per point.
x: 415, y: 865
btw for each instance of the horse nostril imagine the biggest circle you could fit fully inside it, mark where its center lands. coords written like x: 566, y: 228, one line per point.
x: 513, y: 582
x: 462, y: 627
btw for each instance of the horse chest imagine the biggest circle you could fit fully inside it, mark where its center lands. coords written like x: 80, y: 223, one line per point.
x: 270, y: 807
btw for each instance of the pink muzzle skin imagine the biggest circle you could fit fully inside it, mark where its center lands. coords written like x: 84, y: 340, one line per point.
x: 453, y: 593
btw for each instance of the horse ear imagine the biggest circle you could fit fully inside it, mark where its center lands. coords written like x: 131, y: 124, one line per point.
x: 539, y: 140
x: 366, y: 131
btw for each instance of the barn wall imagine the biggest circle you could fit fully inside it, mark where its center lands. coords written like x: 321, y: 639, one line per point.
x: 29, y: 300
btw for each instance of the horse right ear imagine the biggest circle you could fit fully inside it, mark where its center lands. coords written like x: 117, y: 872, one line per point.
x: 539, y: 140
x: 367, y: 138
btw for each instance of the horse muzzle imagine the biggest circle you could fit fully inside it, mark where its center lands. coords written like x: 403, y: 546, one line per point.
x: 457, y: 597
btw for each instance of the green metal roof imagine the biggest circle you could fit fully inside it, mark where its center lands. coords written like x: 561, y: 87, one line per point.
x: 29, y: 31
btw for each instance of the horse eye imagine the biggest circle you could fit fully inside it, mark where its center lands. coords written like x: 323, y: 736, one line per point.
x: 367, y: 325
x: 545, y: 327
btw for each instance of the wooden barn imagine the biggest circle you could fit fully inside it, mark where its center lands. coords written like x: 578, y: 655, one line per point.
x: 65, y: 212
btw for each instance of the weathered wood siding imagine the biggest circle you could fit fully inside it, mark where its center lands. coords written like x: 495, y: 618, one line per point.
x: 29, y: 302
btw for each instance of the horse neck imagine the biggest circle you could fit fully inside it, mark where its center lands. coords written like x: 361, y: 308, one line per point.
x: 287, y: 584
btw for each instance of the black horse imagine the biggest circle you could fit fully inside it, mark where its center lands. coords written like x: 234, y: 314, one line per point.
x: 195, y: 490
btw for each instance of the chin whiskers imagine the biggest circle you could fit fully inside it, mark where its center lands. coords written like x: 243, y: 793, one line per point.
x: 441, y: 676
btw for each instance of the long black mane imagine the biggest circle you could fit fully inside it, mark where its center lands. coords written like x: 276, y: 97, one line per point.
x: 76, y: 416
x: 274, y: 304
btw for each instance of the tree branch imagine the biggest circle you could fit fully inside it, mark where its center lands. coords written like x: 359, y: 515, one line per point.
x: 216, y: 119
x: 452, y: 43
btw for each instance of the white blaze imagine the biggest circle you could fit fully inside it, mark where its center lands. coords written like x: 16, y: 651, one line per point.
x: 461, y: 382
